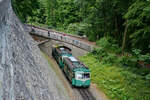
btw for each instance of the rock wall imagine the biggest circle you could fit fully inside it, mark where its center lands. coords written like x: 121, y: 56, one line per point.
x: 24, y: 73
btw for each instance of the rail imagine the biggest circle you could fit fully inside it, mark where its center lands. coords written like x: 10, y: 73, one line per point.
x: 86, y: 94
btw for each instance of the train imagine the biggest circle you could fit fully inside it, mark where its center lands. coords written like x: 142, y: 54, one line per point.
x: 76, y: 72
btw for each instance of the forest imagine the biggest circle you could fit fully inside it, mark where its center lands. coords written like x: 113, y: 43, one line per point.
x: 120, y: 28
x: 126, y: 20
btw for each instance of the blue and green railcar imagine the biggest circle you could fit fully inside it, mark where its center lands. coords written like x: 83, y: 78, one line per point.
x: 77, y: 73
x: 59, y: 52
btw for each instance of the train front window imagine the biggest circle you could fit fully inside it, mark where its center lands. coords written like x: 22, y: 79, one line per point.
x: 86, y: 75
x: 82, y: 75
x: 79, y: 76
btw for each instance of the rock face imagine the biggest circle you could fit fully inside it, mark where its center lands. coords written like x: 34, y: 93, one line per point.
x: 24, y: 74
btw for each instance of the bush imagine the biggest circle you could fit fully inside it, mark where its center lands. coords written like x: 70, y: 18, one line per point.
x: 117, y: 82
x: 137, y: 54
x: 106, y: 50
x: 78, y: 28
x: 147, y: 76
x: 92, y: 37
x: 99, y: 52
x: 128, y: 61
x: 103, y: 56
x: 109, y: 59
x: 109, y: 44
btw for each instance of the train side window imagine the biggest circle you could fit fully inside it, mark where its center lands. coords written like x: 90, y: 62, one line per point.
x: 69, y: 70
x: 73, y: 75
x: 54, y: 50
x: 79, y: 76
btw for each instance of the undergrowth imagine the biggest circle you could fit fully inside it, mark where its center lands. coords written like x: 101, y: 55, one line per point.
x: 118, y: 83
x: 120, y: 77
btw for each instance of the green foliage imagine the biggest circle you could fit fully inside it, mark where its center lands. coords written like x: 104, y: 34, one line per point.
x: 118, y: 83
x: 138, y: 16
x: 109, y: 44
x: 94, y: 18
x: 141, y: 57
x: 25, y: 8
x: 66, y: 13
x: 78, y: 28
x: 50, y: 12
x: 147, y: 77
x: 109, y: 59
x: 109, y: 53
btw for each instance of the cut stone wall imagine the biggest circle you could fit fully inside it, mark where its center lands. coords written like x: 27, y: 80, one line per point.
x: 24, y: 73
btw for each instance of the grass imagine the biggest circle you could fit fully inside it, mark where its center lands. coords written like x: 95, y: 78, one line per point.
x: 117, y: 82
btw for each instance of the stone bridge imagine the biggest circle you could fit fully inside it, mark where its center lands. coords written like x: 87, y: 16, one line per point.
x: 62, y: 38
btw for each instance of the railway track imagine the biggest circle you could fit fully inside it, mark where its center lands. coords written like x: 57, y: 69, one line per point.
x: 86, y: 94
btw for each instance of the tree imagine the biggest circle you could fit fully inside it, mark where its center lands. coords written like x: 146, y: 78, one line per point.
x: 25, y: 8
x: 124, y: 37
x: 138, y: 17
x: 95, y: 18
x: 51, y: 5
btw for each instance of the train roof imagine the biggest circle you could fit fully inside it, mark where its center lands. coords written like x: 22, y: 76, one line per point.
x: 63, y: 49
x: 74, y: 63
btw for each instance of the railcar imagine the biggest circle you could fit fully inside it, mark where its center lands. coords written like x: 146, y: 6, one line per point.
x: 76, y: 72
x: 59, y: 52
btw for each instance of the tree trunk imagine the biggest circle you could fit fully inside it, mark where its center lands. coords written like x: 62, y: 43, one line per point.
x: 105, y: 25
x: 24, y: 74
x: 124, y: 37
x: 116, y: 25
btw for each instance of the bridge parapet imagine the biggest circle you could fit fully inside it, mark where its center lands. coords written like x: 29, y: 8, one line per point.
x: 60, y: 37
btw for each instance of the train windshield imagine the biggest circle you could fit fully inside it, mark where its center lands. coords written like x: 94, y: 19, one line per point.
x: 64, y: 51
x: 82, y: 75
x: 79, y: 76
x: 86, y: 75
